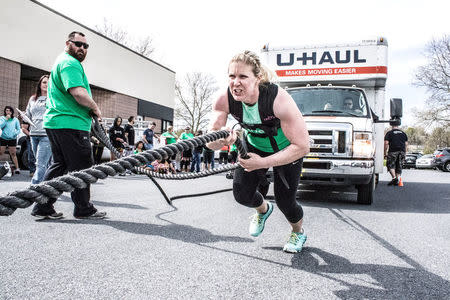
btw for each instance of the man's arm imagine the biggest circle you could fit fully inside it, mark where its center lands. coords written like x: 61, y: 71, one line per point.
x: 386, y: 147
x: 157, y: 136
x: 25, y: 129
x: 144, y: 137
x: 82, y: 97
x: 125, y: 132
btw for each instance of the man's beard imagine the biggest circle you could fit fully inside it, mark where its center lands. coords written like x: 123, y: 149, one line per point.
x: 80, y: 56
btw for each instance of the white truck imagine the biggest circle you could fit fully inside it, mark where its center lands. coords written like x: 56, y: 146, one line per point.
x: 340, y: 90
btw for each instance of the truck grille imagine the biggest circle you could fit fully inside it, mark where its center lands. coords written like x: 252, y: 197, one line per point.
x: 326, y: 142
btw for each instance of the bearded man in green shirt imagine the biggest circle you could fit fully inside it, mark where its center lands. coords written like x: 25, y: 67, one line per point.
x: 67, y: 122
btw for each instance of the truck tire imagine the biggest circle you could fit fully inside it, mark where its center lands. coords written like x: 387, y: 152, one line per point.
x: 365, y: 192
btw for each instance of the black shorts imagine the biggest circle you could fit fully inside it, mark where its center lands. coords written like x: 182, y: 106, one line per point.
x: 10, y: 143
x: 208, y: 156
x: 187, y: 153
x: 394, y: 161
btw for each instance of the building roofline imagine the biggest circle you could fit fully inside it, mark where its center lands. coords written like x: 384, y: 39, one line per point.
x: 97, y: 33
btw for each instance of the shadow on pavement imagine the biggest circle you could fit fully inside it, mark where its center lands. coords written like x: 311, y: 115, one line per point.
x: 173, y: 231
x: 65, y: 198
x: 389, y: 282
x: 413, y: 197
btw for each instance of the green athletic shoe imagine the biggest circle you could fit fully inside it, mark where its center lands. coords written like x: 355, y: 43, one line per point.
x: 295, y: 243
x: 258, y: 221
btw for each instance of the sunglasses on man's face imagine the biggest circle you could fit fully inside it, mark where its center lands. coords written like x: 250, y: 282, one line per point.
x: 79, y: 44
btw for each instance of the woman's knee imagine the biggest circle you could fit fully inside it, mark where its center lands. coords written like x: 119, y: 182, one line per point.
x: 245, y: 196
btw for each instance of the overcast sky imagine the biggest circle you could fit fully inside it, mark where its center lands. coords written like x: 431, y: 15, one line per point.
x: 203, y: 35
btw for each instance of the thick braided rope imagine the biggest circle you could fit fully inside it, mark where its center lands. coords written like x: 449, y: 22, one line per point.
x: 42, y: 192
x: 242, y: 152
x: 100, y: 134
x: 185, y: 176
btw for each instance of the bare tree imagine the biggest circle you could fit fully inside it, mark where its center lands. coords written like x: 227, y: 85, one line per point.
x: 142, y: 46
x: 435, y: 77
x: 195, y: 99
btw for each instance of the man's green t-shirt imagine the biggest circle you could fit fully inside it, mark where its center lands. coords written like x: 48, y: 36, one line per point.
x: 185, y: 136
x: 170, y: 137
x: 63, y: 111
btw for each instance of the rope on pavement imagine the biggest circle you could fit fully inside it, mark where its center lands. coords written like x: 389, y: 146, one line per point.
x: 42, y: 192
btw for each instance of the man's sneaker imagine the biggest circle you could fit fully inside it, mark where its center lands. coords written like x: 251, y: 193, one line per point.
x: 295, y: 243
x: 96, y: 215
x: 53, y: 216
x: 394, y: 181
x: 258, y: 221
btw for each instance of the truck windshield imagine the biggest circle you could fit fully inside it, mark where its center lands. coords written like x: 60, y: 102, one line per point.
x: 330, y: 101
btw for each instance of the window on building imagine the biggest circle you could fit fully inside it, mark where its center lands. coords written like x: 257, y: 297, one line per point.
x: 165, y: 124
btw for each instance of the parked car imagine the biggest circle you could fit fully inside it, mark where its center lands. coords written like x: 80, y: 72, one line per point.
x: 410, y: 160
x: 425, y: 162
x: 442, y: 159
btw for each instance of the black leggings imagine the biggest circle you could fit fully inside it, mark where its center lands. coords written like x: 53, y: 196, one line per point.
x: 245, y: 187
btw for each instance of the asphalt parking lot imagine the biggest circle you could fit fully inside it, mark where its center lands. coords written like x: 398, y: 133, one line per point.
x: 395, y: 248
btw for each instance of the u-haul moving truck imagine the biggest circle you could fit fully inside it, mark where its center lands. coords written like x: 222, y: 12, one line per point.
x: 340, y: 91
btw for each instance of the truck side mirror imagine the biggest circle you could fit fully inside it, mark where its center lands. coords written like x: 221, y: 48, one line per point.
x: 396, y: 108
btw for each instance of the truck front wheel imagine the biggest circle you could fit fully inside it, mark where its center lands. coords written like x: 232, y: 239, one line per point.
x: 365, y: 192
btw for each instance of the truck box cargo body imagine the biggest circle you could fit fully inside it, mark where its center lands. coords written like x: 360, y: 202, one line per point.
x: 340, y: 90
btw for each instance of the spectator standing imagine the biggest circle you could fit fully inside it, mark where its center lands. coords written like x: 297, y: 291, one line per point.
x: 129, y: 135
x: 187, y: 154
x: 223, y: 154
x: 68, y: 123
x: 97, y: 150
x: 171, y: 138
x: 232, y: 158
x: 196, y: 155
x: 395, y: 144
x: 10, y: 127
x: 40, y: 144
x: 149, y: 133
x: 208, y: 157
x: 117, y: 136
x: 30, y: 154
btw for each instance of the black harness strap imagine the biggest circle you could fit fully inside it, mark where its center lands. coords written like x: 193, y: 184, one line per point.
x: 270, y: 124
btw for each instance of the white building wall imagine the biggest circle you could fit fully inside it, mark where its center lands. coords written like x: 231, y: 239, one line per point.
x: 34, y: 35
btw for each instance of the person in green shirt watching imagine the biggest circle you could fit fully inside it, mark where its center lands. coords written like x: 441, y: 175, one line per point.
x: 186, y: 159
x: 170, y: 136
x: 67, y: 122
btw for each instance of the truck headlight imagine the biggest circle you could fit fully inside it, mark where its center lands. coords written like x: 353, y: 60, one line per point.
x: 363, y: 146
